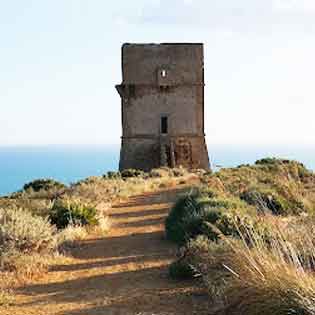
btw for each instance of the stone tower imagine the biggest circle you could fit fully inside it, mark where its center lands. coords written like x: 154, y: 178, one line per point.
x: 162, y: 97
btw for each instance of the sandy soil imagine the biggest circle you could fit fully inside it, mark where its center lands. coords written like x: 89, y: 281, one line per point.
x: 124, y: 273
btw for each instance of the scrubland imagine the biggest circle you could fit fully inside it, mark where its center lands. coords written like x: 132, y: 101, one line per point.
x: 42, y: 222
x: 248, y: 234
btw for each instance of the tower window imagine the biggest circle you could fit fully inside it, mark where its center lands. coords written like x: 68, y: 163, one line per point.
x: 164, y: 124
x: 163, y: 73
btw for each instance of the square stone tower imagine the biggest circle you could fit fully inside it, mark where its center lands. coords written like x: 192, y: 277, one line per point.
x: 162, y: 99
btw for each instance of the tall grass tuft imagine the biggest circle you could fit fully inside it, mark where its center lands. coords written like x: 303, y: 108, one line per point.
x: 260, y: 277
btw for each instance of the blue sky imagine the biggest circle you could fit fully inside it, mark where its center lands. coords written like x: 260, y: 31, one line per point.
x: 60, y: 60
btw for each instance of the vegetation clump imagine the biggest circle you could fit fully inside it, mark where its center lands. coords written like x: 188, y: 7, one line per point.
x: 268, y: 200
x: 129, y: 173
x: 65, y: 213
x: 43, y: 184
x: 250, y: 238
x: 22, y: 231
x: 26, y: 242
x: 181, y: 270
x: 270, y: 275
x: 112, y: 175
x: 198, y: 214
x: 283, y: 187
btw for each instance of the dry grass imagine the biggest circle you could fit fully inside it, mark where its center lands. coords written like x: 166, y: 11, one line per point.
x: 29, y: 243
x: 257, y: 276
x: 21, y: 230
x: 25, y: 266
x: 68, y: 236
x: 266, y: 267
x: 269, y: 278
x: 288, y: 183
x: 99, y: 190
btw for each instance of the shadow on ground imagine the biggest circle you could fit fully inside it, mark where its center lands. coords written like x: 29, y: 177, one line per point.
x: 124, y: 273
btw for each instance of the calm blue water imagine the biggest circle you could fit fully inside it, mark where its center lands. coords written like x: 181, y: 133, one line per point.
x: 19, y: 165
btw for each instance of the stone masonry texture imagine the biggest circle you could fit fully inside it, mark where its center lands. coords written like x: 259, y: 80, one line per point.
x: 162, y: 100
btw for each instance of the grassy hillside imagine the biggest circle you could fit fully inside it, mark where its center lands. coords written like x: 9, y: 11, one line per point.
x: 248, y: 233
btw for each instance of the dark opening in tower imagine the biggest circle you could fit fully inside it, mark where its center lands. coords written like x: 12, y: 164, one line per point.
x: 164, y: 125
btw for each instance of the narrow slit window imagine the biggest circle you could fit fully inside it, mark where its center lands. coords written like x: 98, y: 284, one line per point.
x: 163, y: 73
x: 164, y: 124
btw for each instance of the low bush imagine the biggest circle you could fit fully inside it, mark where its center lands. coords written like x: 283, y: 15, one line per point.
x: 67, y: 237
x: 271, y: 161
x: 176, y: 224
x: 297, y: 169
x: 43, y: 184
x: 112, y: 175
x: 65, y: 213
x: 24, y: 232
x: 268, y: 200
x: 128, y: 173
x: 193, y: 259
x: 181, y: 270
x: 280, y: 186
x: 207, y: 258
x: 194, y: 215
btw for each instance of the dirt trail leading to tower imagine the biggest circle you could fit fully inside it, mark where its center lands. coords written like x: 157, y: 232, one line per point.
x: 124, y: 273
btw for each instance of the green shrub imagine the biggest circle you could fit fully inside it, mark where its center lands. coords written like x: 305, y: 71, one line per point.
x: 43, y: 184
x: 208, y: 258
x: 207, y: 192
x: 268, y: 161
x: 218, y: 222
x: 128, y: 173
x: 303, y: 172
x: 22, y: 231
x: 194, y: 215
x: 296, y: 169
x: 280, y: 186
x: 65, y: 213
x: 268, y: 200
x: 181, y: 270
x: 178, y: 218
x: 112, y: 175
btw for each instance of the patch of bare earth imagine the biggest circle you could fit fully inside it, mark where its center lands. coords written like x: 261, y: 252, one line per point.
x: 125, y: 272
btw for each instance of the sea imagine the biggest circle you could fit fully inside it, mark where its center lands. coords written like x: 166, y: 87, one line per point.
x: 69, y: 164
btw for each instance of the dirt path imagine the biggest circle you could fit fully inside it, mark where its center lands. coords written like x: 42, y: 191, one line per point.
x: 124, y: 273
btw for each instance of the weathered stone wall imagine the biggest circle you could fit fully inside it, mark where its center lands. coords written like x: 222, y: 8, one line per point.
x: 142, y: 113
x: 140, y: 63
x: 145, y: 154
x: 139, y: 154
x: 162, y: 80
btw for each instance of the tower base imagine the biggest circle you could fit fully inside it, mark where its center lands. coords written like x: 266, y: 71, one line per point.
x: 147, y: 153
